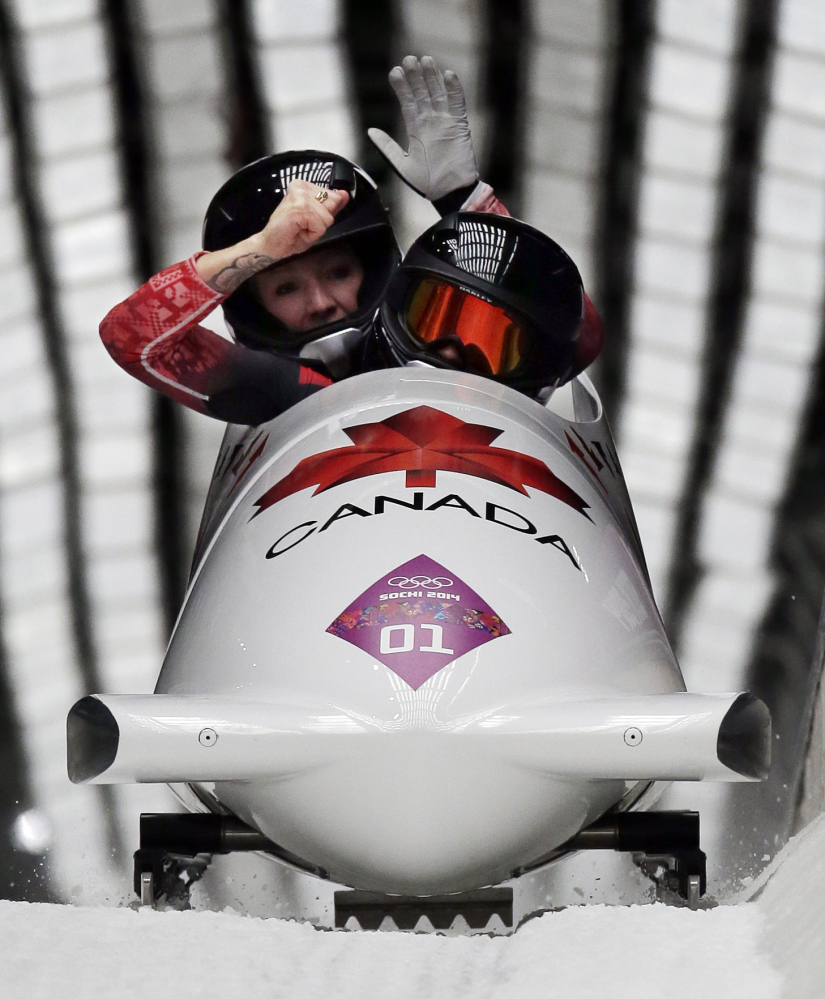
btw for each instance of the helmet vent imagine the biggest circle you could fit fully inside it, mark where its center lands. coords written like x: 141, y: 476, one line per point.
x: 314, y: 171
x: 481, y: 249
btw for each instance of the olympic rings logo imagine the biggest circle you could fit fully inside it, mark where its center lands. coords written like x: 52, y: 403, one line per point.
x: 410, y: 582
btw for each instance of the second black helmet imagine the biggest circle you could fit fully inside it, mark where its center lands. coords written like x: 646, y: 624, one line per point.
x: 488, y: 294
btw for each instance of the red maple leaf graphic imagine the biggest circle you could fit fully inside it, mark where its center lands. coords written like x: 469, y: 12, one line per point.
x: 421, y: 442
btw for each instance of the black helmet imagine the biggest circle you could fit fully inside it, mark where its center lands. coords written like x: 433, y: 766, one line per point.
x: 490, y: 294
x: 242, y: 207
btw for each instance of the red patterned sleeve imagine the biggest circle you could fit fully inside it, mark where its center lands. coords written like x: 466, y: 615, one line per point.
x: 154, y: 335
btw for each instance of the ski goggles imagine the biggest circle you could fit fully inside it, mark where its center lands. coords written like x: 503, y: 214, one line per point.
x: 494, y: 342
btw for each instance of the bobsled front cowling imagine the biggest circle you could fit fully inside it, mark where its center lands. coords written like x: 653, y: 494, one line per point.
x: 310, y: 512
x: 422, y: 554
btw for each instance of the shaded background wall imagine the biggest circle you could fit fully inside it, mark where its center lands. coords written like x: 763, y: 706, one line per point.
x: 675, y: 148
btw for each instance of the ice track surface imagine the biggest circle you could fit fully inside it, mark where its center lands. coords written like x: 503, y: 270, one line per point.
x: 769, y: 945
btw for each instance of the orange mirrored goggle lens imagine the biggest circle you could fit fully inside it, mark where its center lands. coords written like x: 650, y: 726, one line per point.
x: 493, y: 339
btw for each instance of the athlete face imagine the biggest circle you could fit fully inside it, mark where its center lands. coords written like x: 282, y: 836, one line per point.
x: 312, y: 290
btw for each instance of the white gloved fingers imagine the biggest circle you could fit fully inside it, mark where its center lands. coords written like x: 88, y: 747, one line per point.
x: 455, y: 95
x: 406, y: 99
x: 440, y: 155
x: 434, y: 79
x: 415, y: 79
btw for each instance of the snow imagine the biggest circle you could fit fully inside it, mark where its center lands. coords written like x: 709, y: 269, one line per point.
x: 766, y: 946
x: 790, y: 894
x: 642, y: 951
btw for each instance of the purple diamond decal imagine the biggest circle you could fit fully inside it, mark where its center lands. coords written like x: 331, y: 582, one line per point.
x: 417, y: 619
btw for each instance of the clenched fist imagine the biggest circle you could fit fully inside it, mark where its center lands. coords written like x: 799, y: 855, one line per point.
x: 300, y: 219
x: 297, y: 223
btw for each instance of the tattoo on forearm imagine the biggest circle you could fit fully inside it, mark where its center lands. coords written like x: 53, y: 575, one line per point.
x: 240, y: 270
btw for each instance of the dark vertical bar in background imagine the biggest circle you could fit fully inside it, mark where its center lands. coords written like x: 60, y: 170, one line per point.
x: 786, y: 663
x: 54, y: 339
x: 730, y: 288
x: 787, y: 656
x: 248, y: 130
x: 625, y: 110
x: 503, y: 79
x: 55, y: 344
x: 24, y: 877
x: 16, y: 869
x: 136, y: 169
x: 132, y: 131
x: 370, y: 33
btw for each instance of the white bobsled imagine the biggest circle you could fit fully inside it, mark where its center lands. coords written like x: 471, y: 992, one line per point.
x: 419, y: 649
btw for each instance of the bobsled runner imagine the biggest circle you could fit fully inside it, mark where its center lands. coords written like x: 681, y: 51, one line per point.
x: 419, y: 655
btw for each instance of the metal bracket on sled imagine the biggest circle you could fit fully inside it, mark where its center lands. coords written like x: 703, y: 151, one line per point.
x: 175, y: 850
x: 669, y: 838
x: 370, y: 909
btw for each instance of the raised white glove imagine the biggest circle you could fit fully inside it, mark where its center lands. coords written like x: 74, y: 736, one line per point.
x: 440, y: 157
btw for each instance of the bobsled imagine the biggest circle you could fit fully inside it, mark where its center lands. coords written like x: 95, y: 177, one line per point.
x: 419, y: 652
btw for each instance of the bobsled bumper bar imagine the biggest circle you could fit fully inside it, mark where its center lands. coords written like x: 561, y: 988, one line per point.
x: 679, y: 736
x: 162, y: 738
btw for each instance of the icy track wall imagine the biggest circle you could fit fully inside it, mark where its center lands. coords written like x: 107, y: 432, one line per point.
x: 767, y: 947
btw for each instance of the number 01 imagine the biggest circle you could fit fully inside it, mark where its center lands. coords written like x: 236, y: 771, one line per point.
x: 401, y: 638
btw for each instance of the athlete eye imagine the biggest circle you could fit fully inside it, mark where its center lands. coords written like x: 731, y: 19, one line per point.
x: 286, y: 288
x: 341, y: 272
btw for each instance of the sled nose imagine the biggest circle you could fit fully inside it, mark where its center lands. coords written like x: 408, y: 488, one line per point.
x: 665, y: 737
x: 743, y: 744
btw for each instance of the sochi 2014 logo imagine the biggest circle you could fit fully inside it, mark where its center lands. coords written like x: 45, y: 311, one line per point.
x: 417, y: 619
